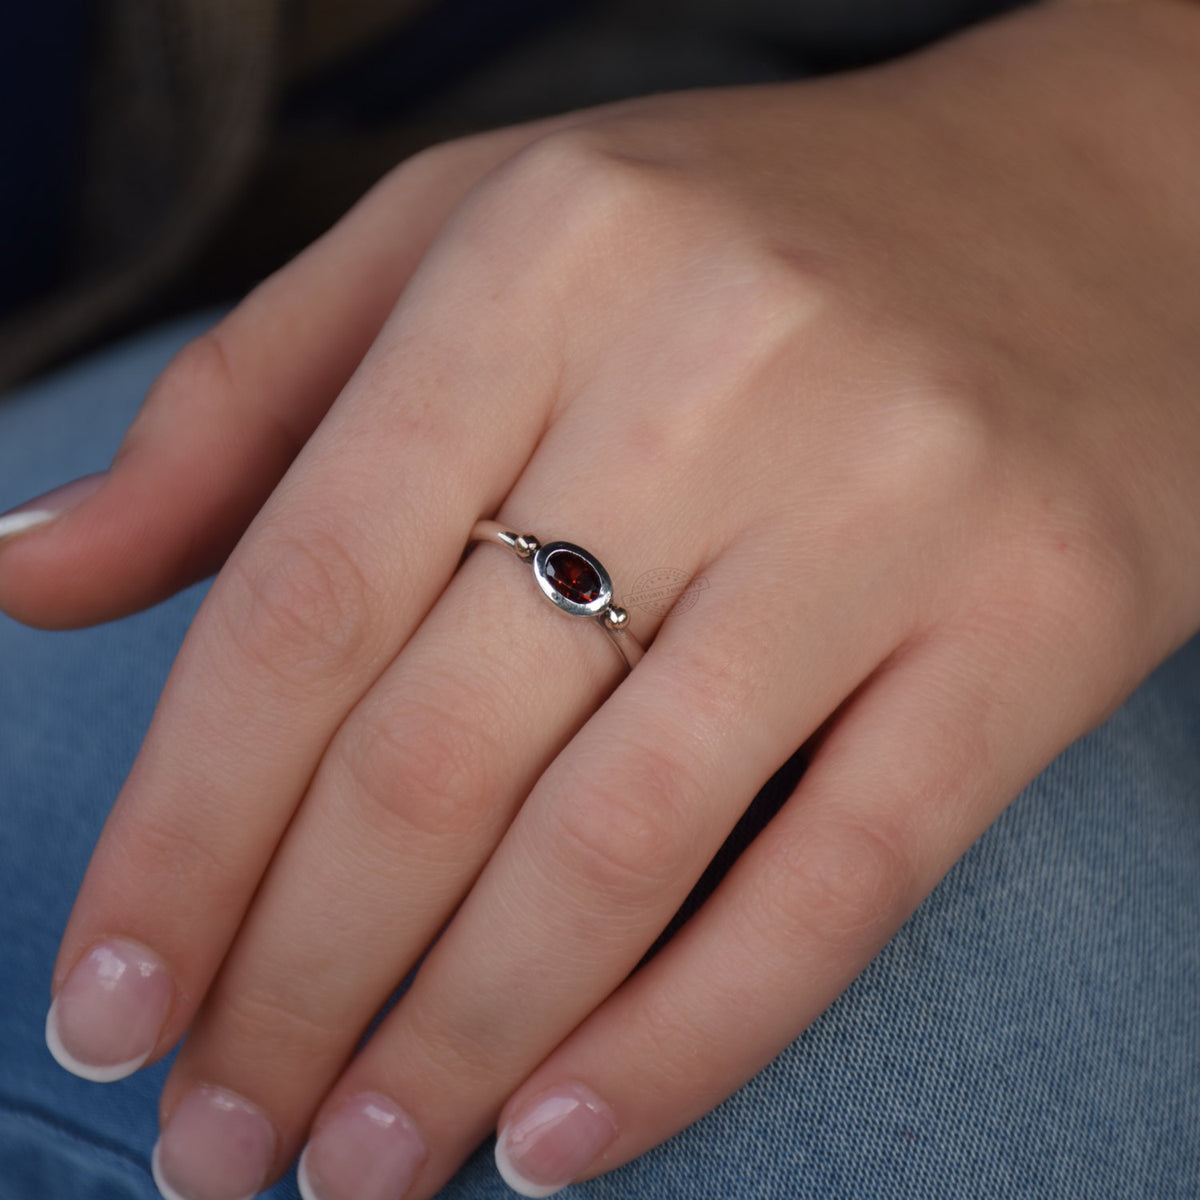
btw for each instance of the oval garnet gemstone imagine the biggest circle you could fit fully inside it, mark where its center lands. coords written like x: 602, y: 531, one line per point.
x: 572, y: 577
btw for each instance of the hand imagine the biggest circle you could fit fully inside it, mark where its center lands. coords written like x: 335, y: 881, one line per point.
x: 902, y: 363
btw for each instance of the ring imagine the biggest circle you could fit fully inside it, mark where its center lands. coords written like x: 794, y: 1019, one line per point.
x: 572, y: 579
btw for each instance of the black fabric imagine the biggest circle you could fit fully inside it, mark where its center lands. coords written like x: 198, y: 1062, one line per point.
x: 42, y: 49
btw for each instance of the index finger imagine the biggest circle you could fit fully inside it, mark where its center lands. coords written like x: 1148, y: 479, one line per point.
x: 223, y: 421
x: 332, y: 578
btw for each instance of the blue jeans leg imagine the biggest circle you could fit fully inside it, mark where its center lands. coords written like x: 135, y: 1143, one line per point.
x: 1033, y: 1031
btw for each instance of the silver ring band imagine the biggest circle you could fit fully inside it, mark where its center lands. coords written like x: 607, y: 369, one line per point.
x: 572, y: 579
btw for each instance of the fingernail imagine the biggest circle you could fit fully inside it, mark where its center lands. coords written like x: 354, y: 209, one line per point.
x: 370, y: 1149
x: 53, y: 504
x: 110, y: 1012
x: 217, y: 1146
x: 545, y: 1147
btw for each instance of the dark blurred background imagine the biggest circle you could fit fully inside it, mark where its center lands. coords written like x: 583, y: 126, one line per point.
x: 161, y: 155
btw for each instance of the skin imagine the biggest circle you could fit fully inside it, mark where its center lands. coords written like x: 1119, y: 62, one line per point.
x: 903, y: 363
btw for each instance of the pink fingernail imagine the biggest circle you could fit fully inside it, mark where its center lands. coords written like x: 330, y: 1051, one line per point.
x: 370, y: 1149
x: 53, y: 504
x: 108, y: 1015
x: 545, y: 1147
x: 217, y: 1146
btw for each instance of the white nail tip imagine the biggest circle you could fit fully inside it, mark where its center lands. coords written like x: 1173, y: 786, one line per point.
x: 303, y: 1181
x: 165, y: 1189
x: 69, y: 1062
x: 513, y: 1177
x: 18, y: 522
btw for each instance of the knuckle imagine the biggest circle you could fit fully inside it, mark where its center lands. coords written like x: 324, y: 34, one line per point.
x: 202, y: 366
x: 737, y: 319
x: 421, y: 771
x: 919, y: 419
x: 199, y: 372
x: 463, y: 1038
x: 272, y: 1021
x: 932, y: 444
x: 460, y: 159
x: 720, y: 683
x: 679, y: 1037
x: 844, y: 882
x: 304, y: 609
x: 183, y: 863
x: 576, y: 175
x: 653, y: 440
x: 429, y: 162
x: 794, y: 282
x: 570, y: 157
x: 622, y: 833
x: 1083, y: 582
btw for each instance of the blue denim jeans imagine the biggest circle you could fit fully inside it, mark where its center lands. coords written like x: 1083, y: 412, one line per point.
x: 1032, y: 1031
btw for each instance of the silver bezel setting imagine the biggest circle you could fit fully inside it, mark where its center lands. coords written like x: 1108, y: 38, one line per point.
x: 593, y: 608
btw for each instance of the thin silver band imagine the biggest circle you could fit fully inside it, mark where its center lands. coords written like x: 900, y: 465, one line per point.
x: 571, y: 578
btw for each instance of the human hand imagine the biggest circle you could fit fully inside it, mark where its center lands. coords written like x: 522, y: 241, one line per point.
x: 876, y: 356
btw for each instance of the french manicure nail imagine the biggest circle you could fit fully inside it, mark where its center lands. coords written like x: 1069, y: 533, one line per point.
x: 216, y: 1146
x: 53, y: 504
x: 370, y: 1149
x: 108, y: 1015
x: 545, y: 1147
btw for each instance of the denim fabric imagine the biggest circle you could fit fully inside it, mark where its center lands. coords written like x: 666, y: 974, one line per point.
x: 1033, y: 1031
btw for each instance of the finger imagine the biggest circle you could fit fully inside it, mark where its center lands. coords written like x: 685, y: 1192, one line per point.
x: 422, y: 778
x: 336, y: 573
x: 913, y: 772
x: 228, y: 415
x: 410, y: 800
x: 599, y: 857
x: 411, y: 797
x: 333, y: 577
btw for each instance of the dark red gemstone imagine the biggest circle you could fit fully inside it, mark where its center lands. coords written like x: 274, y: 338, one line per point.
x: 572, y: 577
